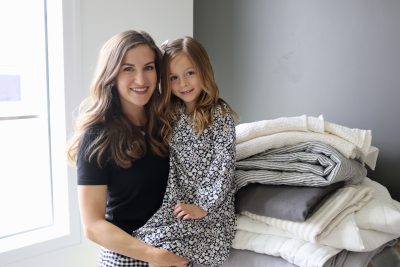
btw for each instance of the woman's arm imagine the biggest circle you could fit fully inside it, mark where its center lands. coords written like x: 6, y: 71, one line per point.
x: 92, y: 203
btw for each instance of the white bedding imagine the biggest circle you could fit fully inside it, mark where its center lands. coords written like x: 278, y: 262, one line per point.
x: 251, y: 137
x: 346, y: 200
x: 376, y: 223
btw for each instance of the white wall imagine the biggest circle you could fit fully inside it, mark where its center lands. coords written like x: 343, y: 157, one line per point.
x: 93, y: 22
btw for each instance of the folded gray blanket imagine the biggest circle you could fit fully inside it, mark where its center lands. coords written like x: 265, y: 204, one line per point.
x: 390, y: 256
x: 303, y: 164
x: 293, y: 203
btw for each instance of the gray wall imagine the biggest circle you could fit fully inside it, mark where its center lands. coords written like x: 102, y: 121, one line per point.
x: 275, y: 58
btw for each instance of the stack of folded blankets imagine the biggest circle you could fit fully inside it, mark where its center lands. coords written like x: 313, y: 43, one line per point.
x: 304, y: 198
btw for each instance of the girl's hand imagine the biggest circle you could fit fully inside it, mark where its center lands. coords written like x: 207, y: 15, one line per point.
x: 188, y: 211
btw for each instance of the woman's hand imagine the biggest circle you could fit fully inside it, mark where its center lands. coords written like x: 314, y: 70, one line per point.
x: 188, y: 211
x: 164, y: 258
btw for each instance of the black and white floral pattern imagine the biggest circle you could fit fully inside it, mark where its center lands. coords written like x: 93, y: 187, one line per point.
x: 201, y: 173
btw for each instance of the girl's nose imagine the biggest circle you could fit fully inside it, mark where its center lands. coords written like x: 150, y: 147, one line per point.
x: 184, y: 82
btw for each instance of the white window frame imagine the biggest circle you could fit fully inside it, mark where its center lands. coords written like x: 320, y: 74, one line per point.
x: 64, y: 61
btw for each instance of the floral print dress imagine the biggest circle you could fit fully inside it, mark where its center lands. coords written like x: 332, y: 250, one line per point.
x: 201, y: 173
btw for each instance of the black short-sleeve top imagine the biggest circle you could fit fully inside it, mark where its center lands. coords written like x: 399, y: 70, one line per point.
x: 133, y: 194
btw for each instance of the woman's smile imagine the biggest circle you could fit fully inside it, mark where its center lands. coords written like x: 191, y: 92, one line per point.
x: 140, y: 90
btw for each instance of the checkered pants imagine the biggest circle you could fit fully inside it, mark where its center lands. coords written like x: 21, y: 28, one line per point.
x: 110, y: 258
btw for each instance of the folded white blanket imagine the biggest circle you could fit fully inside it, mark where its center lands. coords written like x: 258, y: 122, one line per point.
x: 277, y: 140
x: 359, y: 137
x: 248, y: 131
x: 365, y: 230
x: 295, y: 251
x: 343, y: 202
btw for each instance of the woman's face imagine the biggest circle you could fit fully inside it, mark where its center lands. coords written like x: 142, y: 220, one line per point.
x: 137, y: 78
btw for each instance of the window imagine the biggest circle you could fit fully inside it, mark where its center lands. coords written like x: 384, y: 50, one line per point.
x: 35, y: 209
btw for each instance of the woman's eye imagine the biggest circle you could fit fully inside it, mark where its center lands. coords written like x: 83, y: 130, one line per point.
x: 150, y: 67
x: 128, y: 69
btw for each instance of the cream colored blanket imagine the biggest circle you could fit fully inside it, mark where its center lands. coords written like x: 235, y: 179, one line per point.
x: 376, y: 223
x: 346, y: 200
x: 255, y: 137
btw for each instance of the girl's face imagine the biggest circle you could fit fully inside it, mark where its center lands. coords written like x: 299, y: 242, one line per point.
x: 137, y: 78
x: 184, y: 80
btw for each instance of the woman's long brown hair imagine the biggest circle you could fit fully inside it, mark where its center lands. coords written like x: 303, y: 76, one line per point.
x: 124, y: 142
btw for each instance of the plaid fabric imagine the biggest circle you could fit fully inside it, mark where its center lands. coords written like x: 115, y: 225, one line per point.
x: 110, y: 258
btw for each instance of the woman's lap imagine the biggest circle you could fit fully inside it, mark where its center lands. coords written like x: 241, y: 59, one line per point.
x: 110, y: 258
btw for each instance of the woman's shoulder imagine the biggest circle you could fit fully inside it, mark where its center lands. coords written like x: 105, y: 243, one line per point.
x: 95, y: 129
x: 91, y: 133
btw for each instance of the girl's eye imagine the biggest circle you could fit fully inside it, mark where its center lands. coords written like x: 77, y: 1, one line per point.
x: 173, y: 78
x: 190, y: 73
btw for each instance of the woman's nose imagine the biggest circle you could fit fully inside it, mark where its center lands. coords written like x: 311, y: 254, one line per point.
x: 140, y: 78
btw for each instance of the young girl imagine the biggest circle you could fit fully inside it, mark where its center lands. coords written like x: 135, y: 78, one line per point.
x: 197, y: 217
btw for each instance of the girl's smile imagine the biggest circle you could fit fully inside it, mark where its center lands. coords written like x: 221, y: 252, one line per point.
x: 187, y: 91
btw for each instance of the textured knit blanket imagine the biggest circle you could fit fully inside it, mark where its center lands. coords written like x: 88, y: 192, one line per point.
x: 254, y: 137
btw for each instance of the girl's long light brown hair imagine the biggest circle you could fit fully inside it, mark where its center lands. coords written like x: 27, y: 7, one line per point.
x: 124, y: 142
x: 208, y: 99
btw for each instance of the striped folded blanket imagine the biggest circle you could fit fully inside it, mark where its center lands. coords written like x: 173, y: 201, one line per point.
x: 349, y: 150
x: 303, y: 164
x: 358, y: 140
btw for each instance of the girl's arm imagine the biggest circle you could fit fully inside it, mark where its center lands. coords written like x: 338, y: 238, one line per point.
x: 220, y: 175
x: 92, y: 203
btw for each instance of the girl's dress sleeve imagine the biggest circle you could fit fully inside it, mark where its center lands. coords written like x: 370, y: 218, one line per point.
x: 218, y: 181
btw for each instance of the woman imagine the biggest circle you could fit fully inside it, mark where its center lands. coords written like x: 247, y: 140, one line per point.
x: 121, y: 161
